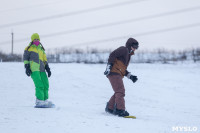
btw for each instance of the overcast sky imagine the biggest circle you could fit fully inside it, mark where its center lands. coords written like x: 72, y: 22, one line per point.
x: 103, y: 24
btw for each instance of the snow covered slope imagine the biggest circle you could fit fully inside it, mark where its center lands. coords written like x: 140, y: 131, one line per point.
x: 164, y: 97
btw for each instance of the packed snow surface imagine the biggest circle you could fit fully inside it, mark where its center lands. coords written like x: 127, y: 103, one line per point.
x: 165, y: 96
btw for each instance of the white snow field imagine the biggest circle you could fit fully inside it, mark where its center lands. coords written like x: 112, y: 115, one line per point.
x: 165, y: 99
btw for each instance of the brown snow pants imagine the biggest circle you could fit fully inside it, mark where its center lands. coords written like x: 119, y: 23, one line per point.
x: 119, y: 92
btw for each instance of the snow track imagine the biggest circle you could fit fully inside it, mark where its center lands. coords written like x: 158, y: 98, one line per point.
x: 165, y: 96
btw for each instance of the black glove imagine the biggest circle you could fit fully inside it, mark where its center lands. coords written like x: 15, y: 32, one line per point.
x: 108, y: 68
x: 48, y: 70
x: 132, y: 77
x: 28, y: 70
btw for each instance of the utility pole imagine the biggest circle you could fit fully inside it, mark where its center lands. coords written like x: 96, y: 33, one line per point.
x: 12, y: 42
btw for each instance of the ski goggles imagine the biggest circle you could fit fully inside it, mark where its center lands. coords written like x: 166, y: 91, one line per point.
x: 135, y: 46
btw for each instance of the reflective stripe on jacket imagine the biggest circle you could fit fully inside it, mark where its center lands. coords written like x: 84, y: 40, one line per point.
x: 36, y: 57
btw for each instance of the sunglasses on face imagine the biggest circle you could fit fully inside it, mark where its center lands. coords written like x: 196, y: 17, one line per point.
x: 36, y: 39
x: 135, y: 46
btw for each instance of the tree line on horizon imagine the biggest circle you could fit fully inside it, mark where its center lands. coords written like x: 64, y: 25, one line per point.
x: 95, y: 56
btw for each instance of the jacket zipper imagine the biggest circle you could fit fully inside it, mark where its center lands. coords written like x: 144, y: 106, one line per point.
x: 38, y: 57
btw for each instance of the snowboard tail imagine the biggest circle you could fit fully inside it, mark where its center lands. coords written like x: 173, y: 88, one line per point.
x: 45, y: 106
x: 133, y: 117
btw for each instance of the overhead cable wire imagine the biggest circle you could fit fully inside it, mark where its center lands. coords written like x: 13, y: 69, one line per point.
x: 123, y: 37
x: 72, y: 13
x: 123, y: 22
x: 138, y: 34
x: 31, y: 6
x: 114, y: 23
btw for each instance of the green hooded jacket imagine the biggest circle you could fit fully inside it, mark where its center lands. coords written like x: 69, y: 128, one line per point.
x: 35, y: 56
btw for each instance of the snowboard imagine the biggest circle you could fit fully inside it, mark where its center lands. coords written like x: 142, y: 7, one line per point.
x: 113, y: 113
x: 133, y: 117
x: 47, y: 106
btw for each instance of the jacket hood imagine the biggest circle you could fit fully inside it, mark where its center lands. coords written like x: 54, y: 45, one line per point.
x: 132, y: 42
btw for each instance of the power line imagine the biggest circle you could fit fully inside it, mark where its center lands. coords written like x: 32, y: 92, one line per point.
x: 127, y: 36
x: 72, y: 13
x: 123, y: 22
x: 16, y: 41
x: 31, y: 6
x: 113, y: 23
x: 139, y: 34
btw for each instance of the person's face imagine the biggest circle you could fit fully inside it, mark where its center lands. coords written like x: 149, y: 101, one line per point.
x: 133, y: 49
x: 35, y: 40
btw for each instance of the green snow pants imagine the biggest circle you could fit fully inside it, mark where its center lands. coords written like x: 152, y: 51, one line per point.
x: 41, y: 85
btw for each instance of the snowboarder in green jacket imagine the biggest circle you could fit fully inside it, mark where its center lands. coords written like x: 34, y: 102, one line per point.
x: 35, y: 63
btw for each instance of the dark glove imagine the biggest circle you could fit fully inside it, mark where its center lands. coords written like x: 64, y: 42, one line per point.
x: 108, y: 68
x: 28, y: 70
x: 48, y: 70
x: 132, y: 77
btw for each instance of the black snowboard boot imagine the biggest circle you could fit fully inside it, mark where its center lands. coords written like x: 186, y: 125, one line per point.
x: 121, y: 113
x: 108, y: 110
